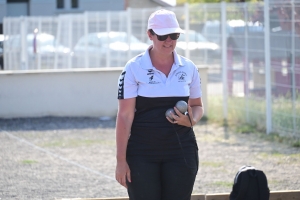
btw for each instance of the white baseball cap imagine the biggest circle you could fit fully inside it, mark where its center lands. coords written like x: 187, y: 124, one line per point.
x: 164, y: 22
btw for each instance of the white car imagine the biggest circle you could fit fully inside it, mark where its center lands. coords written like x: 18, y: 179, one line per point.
x: 106, y: 49
x: 41, y: 43
x: 40, y: 48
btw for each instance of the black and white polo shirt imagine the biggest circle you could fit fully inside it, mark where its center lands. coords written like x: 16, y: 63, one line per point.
x: 140, y: 78
x: 155, y: 93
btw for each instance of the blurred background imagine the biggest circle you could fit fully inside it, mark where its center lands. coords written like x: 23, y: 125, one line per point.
x: 251, y: 49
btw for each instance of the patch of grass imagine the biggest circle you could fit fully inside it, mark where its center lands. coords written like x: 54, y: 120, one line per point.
x: 29, y: 161
x: 273, y: 154
x: 273, y: 182
x: 249, y: 115
x: 223, y: 184
x: 76, y: 143
x: 275, y: 137
x: 211, y: 164
x: 212, y: 138
x: 246, y: 128
x: 260, y: 132
x: 54, y: 144
x: 282, y: 158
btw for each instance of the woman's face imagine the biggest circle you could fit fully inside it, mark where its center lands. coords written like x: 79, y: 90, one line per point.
x: 167, y: 46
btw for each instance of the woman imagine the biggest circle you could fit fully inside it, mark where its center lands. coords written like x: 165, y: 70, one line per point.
x: 157, y: 157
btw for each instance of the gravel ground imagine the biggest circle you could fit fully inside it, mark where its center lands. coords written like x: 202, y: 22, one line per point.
x: 53, y: 158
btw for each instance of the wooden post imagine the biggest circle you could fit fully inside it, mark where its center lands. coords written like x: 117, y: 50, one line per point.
x: 274, y: 195
x: 222, y: 196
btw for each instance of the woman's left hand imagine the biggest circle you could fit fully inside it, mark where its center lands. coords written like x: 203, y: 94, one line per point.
x: 182, y: 119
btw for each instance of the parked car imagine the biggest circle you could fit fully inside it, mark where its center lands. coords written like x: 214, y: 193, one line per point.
x: 1, y: 52
x: 198, y: 46
x: 45, y: 43
x: 41, y: 43
x: 212, y: 30
x: 106, y: 49
x: 41, y: 46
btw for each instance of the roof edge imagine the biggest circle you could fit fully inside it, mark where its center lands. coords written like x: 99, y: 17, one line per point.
x: 163, y: 3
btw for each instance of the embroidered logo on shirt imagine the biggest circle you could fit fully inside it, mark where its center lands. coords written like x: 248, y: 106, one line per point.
x: 150, y: 72
x: 181, y: 76
x: 151, y: 81
x: 151, y: 77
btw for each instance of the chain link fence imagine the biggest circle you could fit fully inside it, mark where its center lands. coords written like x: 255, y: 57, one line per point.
x: 252, y: 51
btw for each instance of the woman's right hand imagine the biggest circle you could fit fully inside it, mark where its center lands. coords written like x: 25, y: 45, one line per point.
x: 123, y: 173
x: 123, y: 127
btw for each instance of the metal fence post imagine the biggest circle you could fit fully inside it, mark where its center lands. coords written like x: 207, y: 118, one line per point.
x: 268, y: 83
x: 129, y: 32
x: 246, y: 62
x: 70, y: 38
x: 5, y: 32
x: 293, y: 73
x: 144, y: 26
x: 86, y: 32
x: 58, y: 34
x: 224, y: 59
x: 205, y: 31
x: 108, y: 29
x: 98, y: 29
x: 39, y: 59
x: 5, y: 56
x: 187, y: 28
x: 24, y: 64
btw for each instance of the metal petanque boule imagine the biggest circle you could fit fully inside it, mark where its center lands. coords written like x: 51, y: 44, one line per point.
x: 181, y: 106
x: 168, y: 113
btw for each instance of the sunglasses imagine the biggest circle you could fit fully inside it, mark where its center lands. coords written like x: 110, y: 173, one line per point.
x: 173, y: 36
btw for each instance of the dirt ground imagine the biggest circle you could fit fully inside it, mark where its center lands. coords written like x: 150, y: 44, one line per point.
x: 53, y: 158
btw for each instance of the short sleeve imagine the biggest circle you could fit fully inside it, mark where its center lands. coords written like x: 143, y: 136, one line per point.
x: 127, y: 84
x: 195, y: 86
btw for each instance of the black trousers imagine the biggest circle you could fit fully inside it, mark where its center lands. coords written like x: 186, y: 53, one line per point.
x: 166, y: 178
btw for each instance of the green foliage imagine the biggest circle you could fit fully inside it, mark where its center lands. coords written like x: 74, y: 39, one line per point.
x: 199, y: 1
x: 179, y: 2
x: 204, y: 119
x: 198, y: 12
x: 296, y: 143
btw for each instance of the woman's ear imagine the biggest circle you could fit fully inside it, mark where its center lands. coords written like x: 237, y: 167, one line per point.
x: 150, y: 36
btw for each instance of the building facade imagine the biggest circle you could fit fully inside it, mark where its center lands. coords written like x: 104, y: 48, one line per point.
x: 11, y: 8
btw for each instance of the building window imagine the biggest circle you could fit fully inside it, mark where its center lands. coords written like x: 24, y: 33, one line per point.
x: 74, y: 3
x: 17, y: 1
x: 60, y: 4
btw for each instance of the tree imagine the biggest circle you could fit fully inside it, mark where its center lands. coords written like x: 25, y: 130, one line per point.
x: 179, y: 2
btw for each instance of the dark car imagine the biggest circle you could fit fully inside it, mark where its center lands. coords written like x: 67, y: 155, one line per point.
x: 213, y: 32
x: 200, y: 49
x: 1, y: 52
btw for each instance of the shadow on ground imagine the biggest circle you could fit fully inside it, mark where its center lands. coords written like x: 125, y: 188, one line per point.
x: 55, y: 123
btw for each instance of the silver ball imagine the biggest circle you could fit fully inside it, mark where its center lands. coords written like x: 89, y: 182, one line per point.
x: 181, y: 106
x: 168, y: 113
